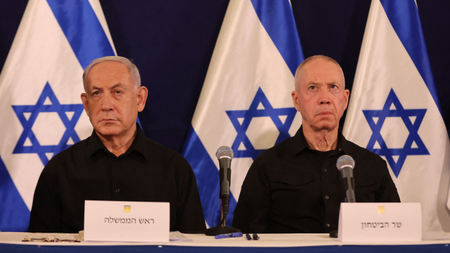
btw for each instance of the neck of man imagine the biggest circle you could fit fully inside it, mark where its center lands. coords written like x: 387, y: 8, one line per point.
x: 321, y: 139
x: 118, y: 144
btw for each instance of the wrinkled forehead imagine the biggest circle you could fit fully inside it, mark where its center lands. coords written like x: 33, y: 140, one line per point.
x: 108, y: 72
x: 320, y: 71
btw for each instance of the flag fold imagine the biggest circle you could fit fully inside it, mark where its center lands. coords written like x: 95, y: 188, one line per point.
x: 394, y: 109
x: 40, y: 87
x: 245, y: 101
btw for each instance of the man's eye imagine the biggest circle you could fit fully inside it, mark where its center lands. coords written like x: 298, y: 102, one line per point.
x: 118, y: 92
x: 95, y: 93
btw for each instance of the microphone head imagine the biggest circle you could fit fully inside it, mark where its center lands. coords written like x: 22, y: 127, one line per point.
x: 345, y: 161
x: 224, y: 152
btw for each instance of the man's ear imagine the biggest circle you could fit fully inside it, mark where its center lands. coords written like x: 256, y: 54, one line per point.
x: 85, y: 103
x: 142, y: 94
x: 347, y: 95
x: 295, y: 99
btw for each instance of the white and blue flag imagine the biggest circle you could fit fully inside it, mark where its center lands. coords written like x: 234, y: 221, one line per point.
x: 245, y: 101
x: 394, y: 109
x: 40, y: 87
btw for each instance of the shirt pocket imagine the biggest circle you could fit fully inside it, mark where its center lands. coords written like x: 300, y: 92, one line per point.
x: 293, y: 194
x: 294, y: 180
x: 366, y: 189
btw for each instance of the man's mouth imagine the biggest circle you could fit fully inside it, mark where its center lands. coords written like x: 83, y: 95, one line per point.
x: 324, y: 113
x: 107, y: 120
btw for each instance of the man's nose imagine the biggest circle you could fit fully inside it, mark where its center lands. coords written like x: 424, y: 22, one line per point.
x: 324, y: 96
x: 107, y: 103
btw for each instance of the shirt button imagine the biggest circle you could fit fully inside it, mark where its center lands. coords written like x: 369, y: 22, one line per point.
x: 327, y: 197
x: 325, y: 169
x: 328, y: 225
x: 117, y: 190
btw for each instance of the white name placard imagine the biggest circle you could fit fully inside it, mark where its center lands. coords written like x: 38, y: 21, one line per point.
x: 380, y: 222
x: 126, y: 221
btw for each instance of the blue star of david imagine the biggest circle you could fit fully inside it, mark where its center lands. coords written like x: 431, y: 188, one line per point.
x: 253, y: 112
x: 40, y: 107
x: 412, y: 127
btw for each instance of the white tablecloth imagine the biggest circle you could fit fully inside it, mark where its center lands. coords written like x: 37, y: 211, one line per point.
x: 198, y: 240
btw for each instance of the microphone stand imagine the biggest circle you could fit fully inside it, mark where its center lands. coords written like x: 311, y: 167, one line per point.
x: 345, y: 164
x: 222, y: 228
x: 224, y: 154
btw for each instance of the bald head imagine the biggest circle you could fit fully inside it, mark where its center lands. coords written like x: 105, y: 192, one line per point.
x: 298, y: 72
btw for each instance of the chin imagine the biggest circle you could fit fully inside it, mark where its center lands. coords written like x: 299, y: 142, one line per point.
x: 326, y: 126
x: 108, y: 130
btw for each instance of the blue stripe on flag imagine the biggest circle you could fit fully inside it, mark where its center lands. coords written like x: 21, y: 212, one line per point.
x: 404, y: 17
x: 82, y: 29
x: 207, y: 177
x: 15, y: 214
x: 278, y: 20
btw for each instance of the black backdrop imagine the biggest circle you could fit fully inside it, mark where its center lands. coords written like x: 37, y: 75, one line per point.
x: 171, y: 41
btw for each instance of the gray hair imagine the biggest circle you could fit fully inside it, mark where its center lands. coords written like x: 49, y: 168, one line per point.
x: 134, y: 71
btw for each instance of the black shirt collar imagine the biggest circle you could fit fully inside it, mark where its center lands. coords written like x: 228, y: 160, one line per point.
x: 301, y: 143
x: 139, y: 144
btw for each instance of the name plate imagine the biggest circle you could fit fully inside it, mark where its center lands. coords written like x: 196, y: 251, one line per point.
x: 380, y: 222
x: 126, y: 221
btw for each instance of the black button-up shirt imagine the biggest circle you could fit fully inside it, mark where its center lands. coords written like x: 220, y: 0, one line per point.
x: 147, y: 171
x: 292, y: 188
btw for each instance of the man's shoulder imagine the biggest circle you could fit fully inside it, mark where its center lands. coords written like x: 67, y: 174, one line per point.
x: 160, y: 149
x: 278, y: 151
x: 355, y: 150
x: 162, y: 154
x: 367, y: 160
x: 76, y: 148
x: 66, y: 157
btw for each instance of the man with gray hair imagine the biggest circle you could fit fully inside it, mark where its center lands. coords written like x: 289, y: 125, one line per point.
x: 117, y: 162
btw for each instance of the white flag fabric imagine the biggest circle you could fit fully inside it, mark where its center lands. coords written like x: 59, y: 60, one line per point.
x: 40, y: 87
x: 245, y: 101
x: 394, y: 109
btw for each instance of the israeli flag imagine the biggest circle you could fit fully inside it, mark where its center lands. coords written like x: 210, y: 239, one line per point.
x: 394, y: 109
x: 40, y: 87
x: 246, y: 100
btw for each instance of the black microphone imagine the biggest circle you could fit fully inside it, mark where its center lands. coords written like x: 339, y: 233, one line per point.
x: 225, y: 155
x: 345, y: 165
